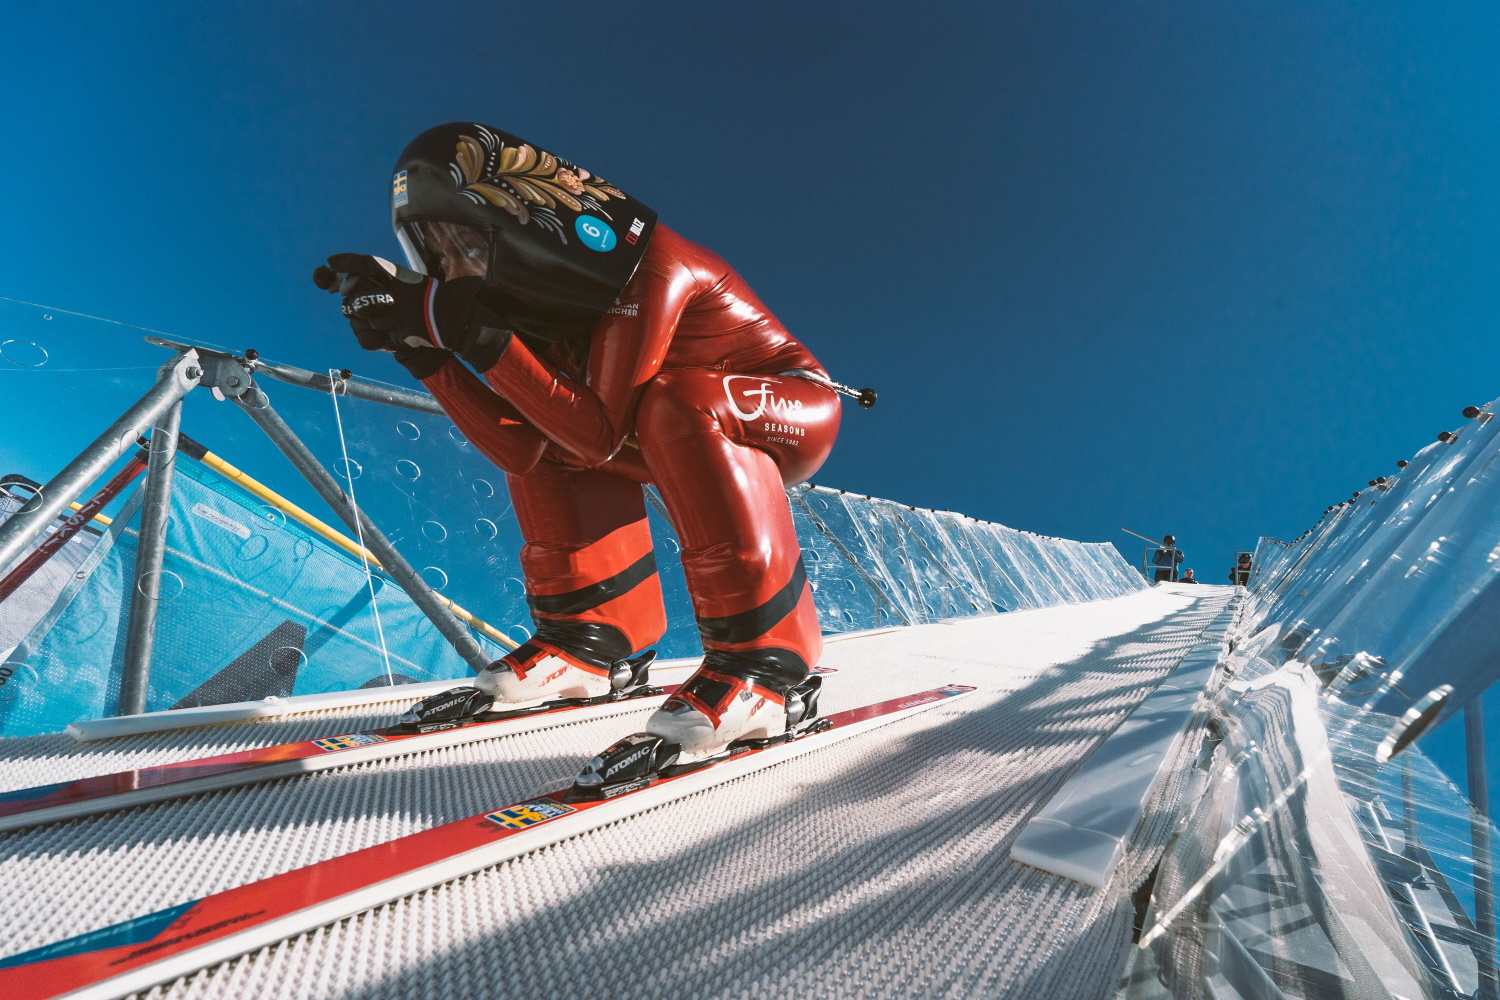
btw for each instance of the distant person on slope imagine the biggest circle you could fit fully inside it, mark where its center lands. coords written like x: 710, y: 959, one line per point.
x: 1166, y: 559
x: 611, y: 352
x: 1239, y: 573
x: 1187, y: 576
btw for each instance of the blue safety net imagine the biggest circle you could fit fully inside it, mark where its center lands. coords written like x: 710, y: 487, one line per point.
x: 251, y: 604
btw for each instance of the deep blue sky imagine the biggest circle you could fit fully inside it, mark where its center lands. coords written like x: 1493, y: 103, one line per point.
x: 1183, y: 267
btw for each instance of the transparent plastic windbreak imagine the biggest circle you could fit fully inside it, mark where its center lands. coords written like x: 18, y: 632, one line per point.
x: 1394, y: 593
x: 264, y: 592
x: 1307, y: 864
x: 1321, y: 852
x: 871, y: 563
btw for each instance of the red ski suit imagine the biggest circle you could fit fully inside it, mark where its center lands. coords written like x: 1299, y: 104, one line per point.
x: 688, y: 388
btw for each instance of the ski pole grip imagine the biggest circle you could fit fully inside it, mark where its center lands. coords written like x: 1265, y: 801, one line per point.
x: 865, y: 397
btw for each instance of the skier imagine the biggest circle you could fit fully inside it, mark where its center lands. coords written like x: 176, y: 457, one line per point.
x: 611, y: 353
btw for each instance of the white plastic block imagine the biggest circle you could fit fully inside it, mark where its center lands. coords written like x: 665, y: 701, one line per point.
x: 1082, y: 832
x: 86, y: 730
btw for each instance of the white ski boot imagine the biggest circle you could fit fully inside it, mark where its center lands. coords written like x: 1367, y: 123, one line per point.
x: 534, y: 681
x: 536, y: 672
x: 710, y: 717
x: 713, y: 710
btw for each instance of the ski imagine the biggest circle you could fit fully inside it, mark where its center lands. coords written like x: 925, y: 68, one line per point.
x: 123, y: 789
x: 161, y: 946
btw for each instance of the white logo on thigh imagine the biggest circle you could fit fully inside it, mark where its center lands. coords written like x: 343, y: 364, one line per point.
x: 765, y: 398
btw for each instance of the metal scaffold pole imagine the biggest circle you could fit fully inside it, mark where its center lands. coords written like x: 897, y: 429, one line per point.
x: 146, y: 595
x: 255, y: 403
x: 230, y: 377
x: 1484, y: 860
x: 177, y: 377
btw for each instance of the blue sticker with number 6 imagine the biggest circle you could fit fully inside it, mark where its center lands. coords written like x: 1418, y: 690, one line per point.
x: 595, y: 233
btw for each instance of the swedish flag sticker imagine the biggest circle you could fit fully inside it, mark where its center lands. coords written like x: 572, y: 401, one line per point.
x: 528, y: 814
x: 398, y: 189
x: 348, y: 742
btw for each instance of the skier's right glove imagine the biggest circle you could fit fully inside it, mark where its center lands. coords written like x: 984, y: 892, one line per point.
x: 372, y: 288
x: 416, y: 318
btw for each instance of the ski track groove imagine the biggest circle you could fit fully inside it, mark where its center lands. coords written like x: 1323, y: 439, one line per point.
x: 877, y: 867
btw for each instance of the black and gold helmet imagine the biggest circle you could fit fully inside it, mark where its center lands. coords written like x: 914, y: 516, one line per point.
x: 555, y: 243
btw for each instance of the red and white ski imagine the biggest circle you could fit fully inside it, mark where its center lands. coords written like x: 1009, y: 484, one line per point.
x: 161, y: 946
x: 123, y: 789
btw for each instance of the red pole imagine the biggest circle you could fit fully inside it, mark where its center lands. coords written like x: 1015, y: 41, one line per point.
x: 72, y: 526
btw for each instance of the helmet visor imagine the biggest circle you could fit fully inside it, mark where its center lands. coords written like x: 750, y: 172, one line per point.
x: 445, y: 250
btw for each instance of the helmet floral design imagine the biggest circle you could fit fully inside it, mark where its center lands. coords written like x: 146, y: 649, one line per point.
x: 527, y: 182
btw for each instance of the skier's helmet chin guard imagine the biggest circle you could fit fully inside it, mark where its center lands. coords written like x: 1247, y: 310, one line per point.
x: 555, y: 243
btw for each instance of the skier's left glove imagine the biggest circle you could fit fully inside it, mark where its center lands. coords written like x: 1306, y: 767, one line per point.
x: 393, y: 308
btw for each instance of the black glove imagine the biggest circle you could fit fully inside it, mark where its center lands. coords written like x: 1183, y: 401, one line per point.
x: 417, y: 318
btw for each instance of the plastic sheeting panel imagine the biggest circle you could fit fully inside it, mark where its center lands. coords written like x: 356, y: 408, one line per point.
x: 1399, y: 584
x: 20, y: 612
x: 1267, y: 892
x: 1309, y: 864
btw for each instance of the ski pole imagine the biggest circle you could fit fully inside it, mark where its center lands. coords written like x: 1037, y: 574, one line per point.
x: 1153, y: 541
x: 53, y: 543
x: 864, y: 397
